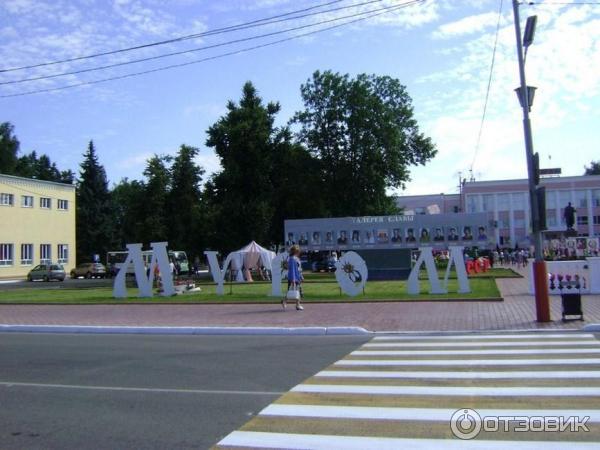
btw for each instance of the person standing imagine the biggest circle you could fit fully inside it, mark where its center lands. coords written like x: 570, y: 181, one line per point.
x: 295, y: 277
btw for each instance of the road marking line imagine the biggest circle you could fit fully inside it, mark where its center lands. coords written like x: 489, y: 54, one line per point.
x: 448, y: 390
x: 9, y: 384
x: 427, y: 414
x: 460, y: 375
x: 541, y: 351
x: 486, y: 336
x: 484, y: 344
x: 257, y: 439
x: 464, y: 362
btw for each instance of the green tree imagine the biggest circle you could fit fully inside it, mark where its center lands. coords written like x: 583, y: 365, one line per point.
x: 9, y: 148
x: 593, y: 169
x: 363, y: 132
x: 128, y: 199
x: 240, y: 195
x: 184, y: 208
x: 95, y: 218
x: 156, y: 192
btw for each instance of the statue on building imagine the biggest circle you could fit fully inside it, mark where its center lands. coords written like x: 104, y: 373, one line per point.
x: 569, y: 216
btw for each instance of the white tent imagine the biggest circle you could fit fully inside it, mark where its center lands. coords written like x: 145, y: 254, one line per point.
x: 252, y: 256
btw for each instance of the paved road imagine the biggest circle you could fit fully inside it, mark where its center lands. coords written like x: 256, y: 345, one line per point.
x: 402, y: 391
x: 98, y: 391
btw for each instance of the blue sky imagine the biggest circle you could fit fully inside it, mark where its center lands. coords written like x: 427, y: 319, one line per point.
x: 440, y: 49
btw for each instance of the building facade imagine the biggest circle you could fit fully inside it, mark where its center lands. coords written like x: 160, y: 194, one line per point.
x: 37, y: 225
x: 506, y: 203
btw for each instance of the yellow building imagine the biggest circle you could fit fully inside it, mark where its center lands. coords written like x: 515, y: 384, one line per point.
x: 37, y: 225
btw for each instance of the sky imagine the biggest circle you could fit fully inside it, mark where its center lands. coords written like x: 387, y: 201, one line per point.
x: 441, y: 50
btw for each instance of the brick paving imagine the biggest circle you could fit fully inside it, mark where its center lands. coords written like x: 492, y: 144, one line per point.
x: 516, y: 312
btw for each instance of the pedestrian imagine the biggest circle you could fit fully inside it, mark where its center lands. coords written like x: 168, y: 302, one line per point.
x: 295, y: 277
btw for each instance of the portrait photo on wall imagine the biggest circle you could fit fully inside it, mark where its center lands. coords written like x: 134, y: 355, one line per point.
x: 396, y: 236
x: 410, y: 235
x: 382, y: 236
x: 290, y: 240
x: 342, y: 237
x: 424, y: 235
x: 481, y: 234
x: 369, y: 237
x: 316, y: 238
x: 303, y: 239
x: 452, y: 234
x: 355, y: 237
x: 467, y: 234
x: 439, y: 235
x: 329, y: 237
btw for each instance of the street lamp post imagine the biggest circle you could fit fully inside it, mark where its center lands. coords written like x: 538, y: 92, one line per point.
x: 540, y: 276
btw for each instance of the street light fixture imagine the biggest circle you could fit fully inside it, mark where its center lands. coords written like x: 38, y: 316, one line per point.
x: 530, y: 95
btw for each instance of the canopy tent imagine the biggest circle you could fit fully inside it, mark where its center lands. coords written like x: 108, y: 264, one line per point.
x: 252, y: 256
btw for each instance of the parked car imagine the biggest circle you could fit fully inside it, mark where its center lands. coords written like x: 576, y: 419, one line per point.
x: 47, y: 272
x: 89, y: 270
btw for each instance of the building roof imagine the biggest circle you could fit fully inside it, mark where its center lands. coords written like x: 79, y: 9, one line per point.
x: 12, y: 178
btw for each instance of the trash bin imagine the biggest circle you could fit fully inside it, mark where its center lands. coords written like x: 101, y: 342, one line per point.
x: 570, y: 293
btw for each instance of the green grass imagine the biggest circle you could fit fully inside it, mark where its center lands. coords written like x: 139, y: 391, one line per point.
x: 496, y: 272
x: 324, y: 290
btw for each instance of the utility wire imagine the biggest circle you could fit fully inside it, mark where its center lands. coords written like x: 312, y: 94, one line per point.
x: 489, y: 85
x: 206, y: 47
x: 365, y: 15
x: 242, y: 26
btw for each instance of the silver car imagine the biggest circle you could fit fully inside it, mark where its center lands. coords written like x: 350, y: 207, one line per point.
x: 47, y: 272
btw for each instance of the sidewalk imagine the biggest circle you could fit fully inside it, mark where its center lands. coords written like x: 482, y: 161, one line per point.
x: 516, y: 312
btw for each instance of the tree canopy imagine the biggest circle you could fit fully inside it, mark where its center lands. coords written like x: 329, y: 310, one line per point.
x: 361, y: 129
x: 593, y: 169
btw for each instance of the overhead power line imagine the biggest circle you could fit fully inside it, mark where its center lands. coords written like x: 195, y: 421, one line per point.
x: 360, y: 17
x: 296, y: 14
x: 489, y: 85
x: 206, y: 47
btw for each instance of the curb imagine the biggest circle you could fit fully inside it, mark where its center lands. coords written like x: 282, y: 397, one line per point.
x: 262, y: 331
x: 592, y: 327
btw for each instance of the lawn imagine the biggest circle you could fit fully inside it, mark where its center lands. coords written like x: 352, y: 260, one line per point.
x: 316, y: 289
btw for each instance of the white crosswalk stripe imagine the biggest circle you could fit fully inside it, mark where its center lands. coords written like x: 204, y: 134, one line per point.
x: 402, y: 392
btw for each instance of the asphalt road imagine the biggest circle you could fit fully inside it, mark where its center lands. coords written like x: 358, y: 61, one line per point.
x: 115, y: 391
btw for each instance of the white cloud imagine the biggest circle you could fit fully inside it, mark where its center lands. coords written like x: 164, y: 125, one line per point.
x: 468, y: 25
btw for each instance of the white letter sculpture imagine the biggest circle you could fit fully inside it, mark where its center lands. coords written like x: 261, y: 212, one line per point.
x: 143, y: 279
x: 278, y: 273
x: 457, y: 257
x: 215, y: 270
x: 351, y: 273
x: 426, y: 256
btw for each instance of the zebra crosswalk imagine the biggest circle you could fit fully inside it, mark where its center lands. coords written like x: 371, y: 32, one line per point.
x: 522, y: 391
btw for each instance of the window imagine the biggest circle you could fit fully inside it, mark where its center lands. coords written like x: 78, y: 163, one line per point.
x: 63, y: 204
x: 45, y: 203
x: 596, y: 220
x: 26, y: 201
x: 45, y: 253
x: 582, y: 220
x: 519, y: 223
x: 551, y: 220
x: 503, y: 202
x: 471, y: 203
x: 7, y: 199
x: 26, y: 254
x: 6, y: 254
x: 551, y: 199
x: 518, y: 201
x: 596, y: 197
x: 63, y: 253
x: 564, y: 197
x: 488, y: 202
x: 580, y: 199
